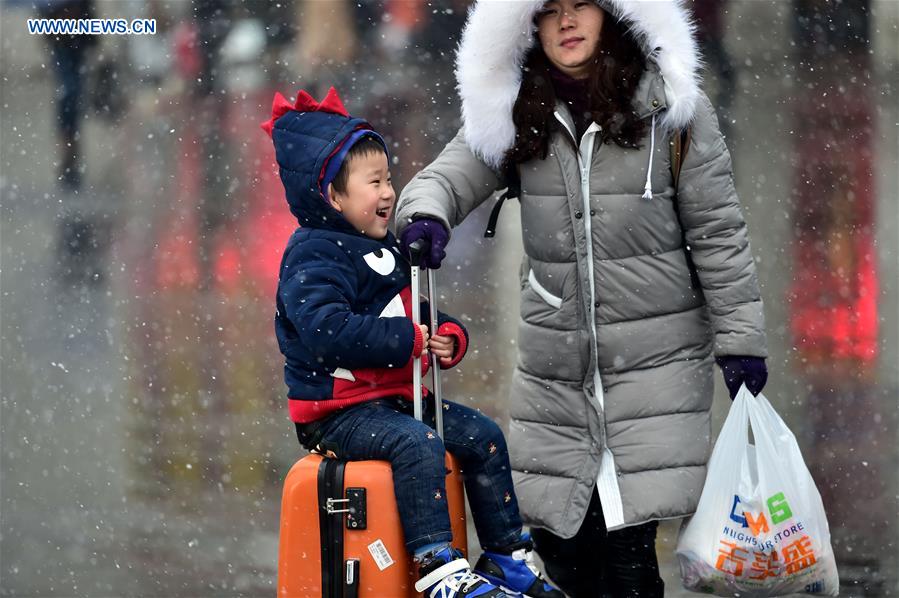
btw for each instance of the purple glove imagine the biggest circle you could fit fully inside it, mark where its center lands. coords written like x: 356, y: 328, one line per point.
x: 434, y: 236
x: 739, y: 370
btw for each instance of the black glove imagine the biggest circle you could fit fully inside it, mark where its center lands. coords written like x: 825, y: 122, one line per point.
x: 739, y: 370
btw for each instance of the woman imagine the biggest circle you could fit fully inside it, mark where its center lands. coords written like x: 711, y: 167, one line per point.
x: 610, y: 402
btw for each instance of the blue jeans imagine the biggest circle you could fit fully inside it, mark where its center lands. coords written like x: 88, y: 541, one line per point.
x: 385, y: 429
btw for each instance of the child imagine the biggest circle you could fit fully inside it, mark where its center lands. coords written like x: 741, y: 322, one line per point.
x: 343, y: 325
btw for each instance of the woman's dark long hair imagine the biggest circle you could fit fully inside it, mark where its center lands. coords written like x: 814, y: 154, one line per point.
x: 618, y: 65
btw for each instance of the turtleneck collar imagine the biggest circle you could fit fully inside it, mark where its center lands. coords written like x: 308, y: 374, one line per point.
x: 574, y: 93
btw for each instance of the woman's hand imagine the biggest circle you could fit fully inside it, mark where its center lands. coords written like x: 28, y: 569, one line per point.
x: 434, y: 236
x: 443, y: 347
x: 739, y: 370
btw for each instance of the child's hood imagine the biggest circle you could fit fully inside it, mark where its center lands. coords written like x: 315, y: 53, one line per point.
x: 311, y: 140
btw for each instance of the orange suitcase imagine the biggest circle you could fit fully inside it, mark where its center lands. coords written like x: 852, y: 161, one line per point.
x: 341, y: 535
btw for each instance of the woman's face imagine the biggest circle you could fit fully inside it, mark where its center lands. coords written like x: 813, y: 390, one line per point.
x: 569, y: 33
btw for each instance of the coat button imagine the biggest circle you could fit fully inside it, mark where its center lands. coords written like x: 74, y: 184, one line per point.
x: 593, y: 212
x: 578, y: 215
x: 596, y: 304
x: 655, y: 103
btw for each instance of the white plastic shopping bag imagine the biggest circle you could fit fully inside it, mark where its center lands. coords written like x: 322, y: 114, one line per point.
x: 760, y: 528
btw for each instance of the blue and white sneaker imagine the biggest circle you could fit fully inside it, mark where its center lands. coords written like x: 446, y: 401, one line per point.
x: 514, y: 572
x: 446, y: 574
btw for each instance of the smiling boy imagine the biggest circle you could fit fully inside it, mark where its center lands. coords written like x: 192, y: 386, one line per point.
x: 343, y: 324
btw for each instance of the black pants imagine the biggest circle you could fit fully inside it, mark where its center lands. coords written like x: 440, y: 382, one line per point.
x: 596, y: 563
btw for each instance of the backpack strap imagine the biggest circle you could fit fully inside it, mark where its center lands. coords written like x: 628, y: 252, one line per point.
x: 680, y: 144
x: 513, y: 190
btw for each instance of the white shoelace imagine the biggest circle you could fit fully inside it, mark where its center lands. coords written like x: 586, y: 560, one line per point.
x: 455, y: 583
x: 450, y: 578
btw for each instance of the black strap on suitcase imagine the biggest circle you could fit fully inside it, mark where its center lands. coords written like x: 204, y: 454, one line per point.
x: 330, y: 484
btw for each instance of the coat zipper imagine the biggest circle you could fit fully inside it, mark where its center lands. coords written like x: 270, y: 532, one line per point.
x: 607, y: 480
x: 584, y: 163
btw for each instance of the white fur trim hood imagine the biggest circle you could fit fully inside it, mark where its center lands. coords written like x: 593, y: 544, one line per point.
x: 499, y: 34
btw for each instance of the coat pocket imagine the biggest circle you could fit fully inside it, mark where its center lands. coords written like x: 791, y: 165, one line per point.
x: 541, y: 291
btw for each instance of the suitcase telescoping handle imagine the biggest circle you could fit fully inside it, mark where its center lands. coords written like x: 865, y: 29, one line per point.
x: 416, y: 250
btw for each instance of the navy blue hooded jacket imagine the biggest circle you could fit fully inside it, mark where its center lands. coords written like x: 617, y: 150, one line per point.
x: 343, y: 316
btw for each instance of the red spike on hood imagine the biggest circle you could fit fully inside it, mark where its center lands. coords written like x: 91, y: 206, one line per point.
x: 305, y: 102
x: 280, y: 107
x: 332, y: 103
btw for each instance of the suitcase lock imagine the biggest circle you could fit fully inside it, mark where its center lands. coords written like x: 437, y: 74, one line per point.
x: 355, y: 508
x: 330, y: 505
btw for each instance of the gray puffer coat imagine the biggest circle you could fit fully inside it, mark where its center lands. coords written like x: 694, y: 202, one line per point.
x: 613, y: 385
